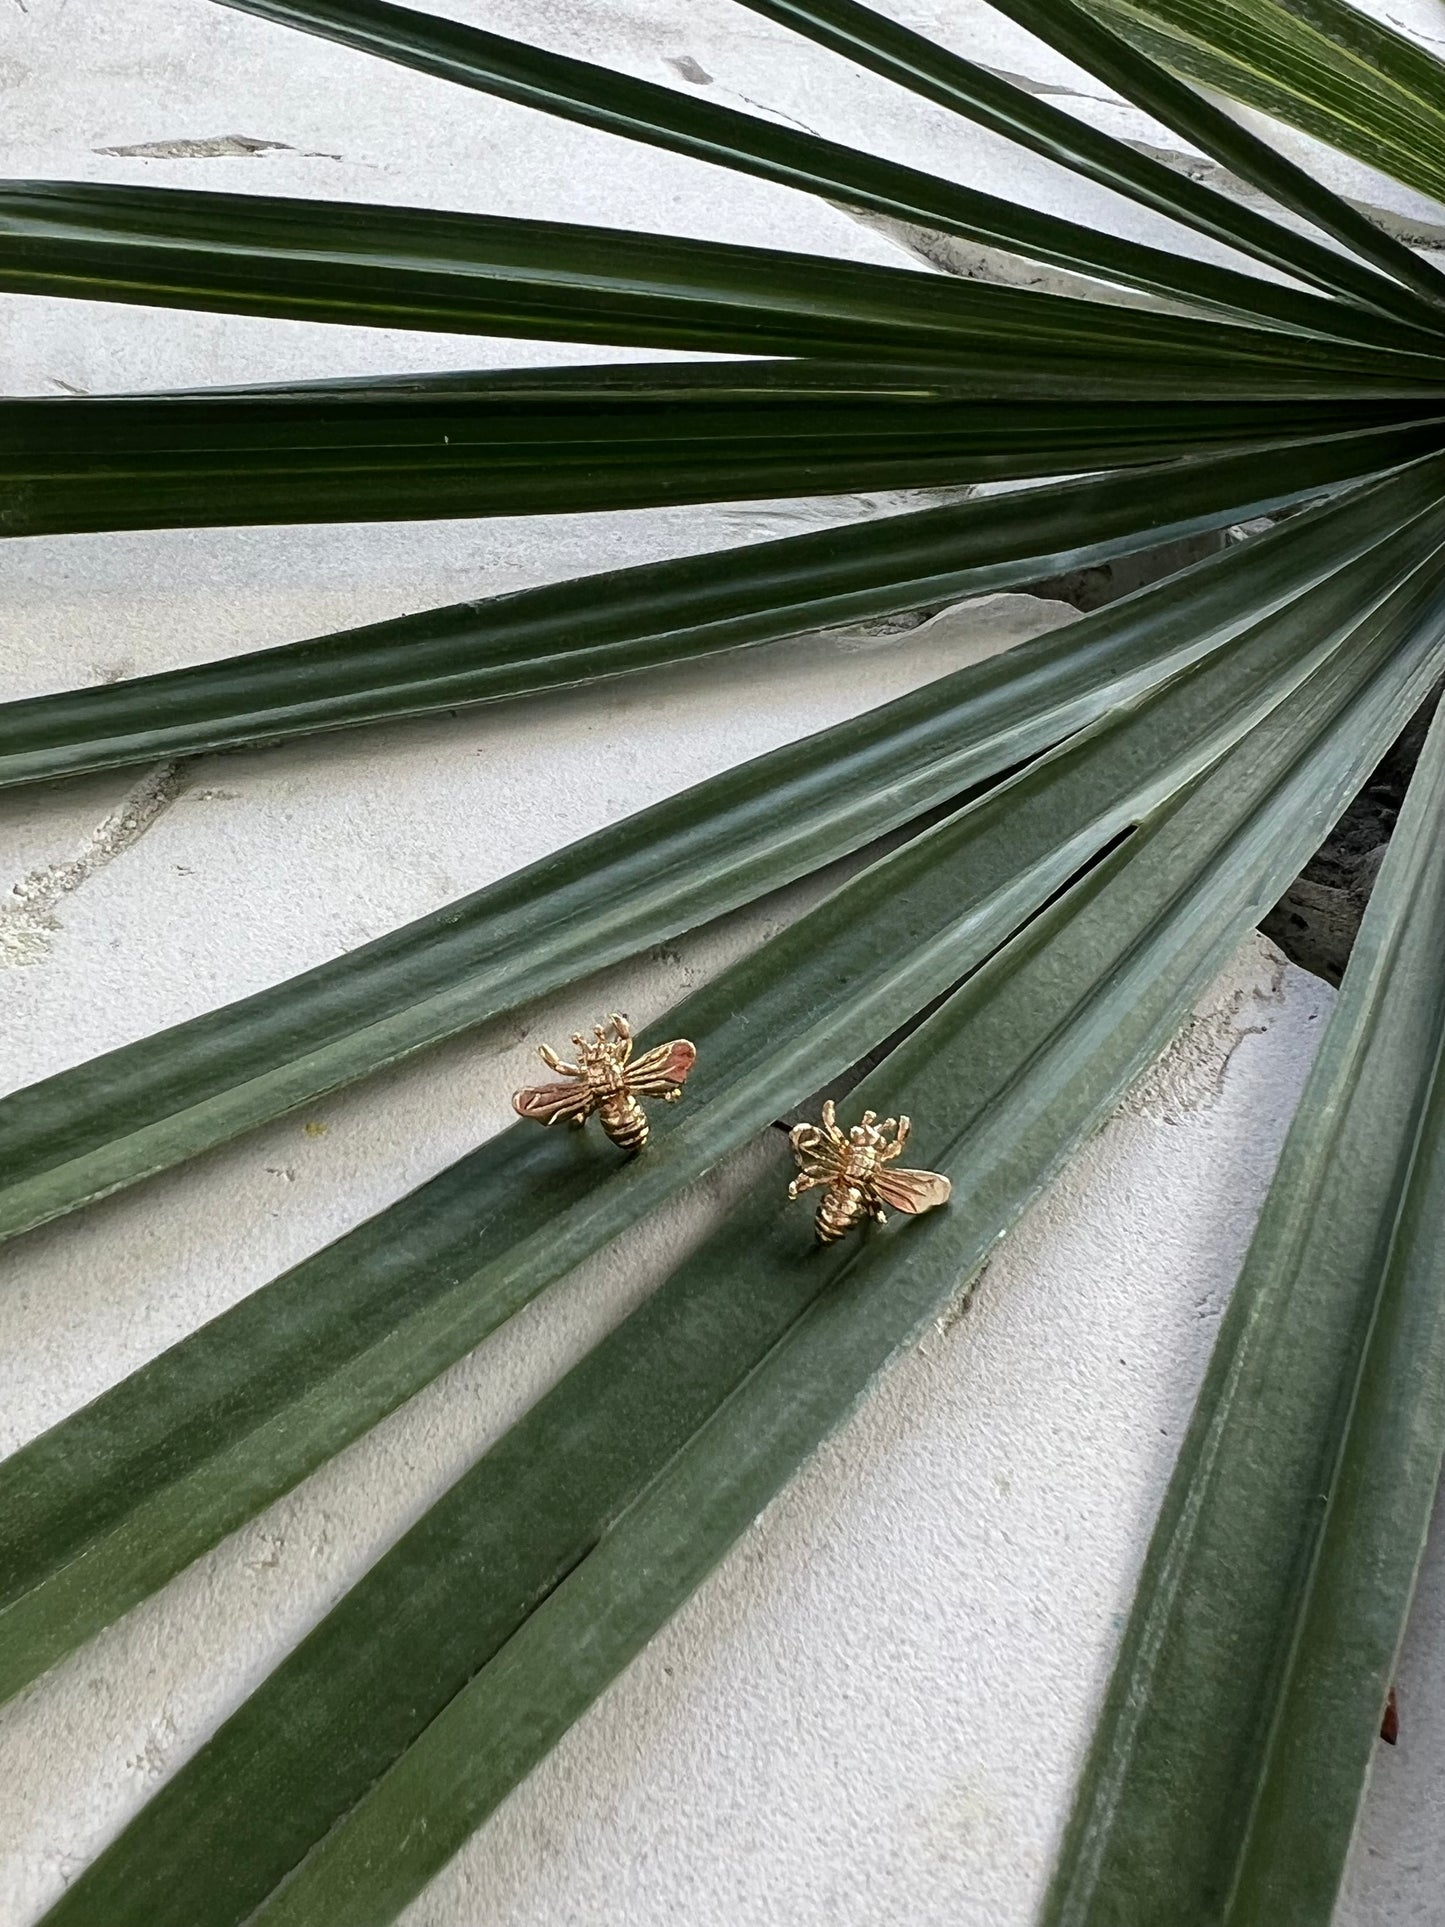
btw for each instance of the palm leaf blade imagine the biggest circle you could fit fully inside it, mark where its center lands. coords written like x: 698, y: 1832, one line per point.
x: 362, y: 264
x: 658, y: 614
x: 578, y: 440
x: 1259, y: 1652
x: 1069, y: 26
x: 939, y: 75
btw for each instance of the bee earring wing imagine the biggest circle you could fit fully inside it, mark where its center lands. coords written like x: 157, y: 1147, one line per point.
x: 912, y: 1191
x: 550, y: 1103
x: 659, y: 1072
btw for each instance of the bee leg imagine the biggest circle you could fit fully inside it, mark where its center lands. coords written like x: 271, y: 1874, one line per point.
x: 878, y: 1214
x: 671, y: 1097
x: 805, y: 1181
x: 622, y: 1030
x: 554, y: 1063
x: 905, y: 1125
x: 830, y: 1123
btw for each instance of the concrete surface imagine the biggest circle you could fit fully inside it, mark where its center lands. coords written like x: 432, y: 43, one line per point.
x: 775, y: 1756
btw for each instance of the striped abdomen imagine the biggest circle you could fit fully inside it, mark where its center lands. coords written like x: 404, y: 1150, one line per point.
x: 624, y: 1121
x: 843, y: 1207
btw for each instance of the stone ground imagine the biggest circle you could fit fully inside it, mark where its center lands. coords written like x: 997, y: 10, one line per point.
x: 875, y: 1708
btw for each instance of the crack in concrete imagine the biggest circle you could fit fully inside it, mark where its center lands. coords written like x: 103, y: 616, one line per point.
x: 217, y: 147
x: 1190, y: 1074
x: 691, y: 70
x: 774, y: 113
x: 28, y: 920
x: 1056, y: 90
x: 1197, y: 167
x: 978, y: 261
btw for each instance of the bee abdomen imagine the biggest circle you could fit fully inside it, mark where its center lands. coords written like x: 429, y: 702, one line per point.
x: 841, y: 1209
x: 624, y: 1121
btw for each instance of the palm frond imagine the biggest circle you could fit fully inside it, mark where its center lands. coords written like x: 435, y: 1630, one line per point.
x: 1090, y: 823
x: 662, y: 117
x: 110, y: 1503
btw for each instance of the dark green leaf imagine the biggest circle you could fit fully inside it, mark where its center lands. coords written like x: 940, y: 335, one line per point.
x: 569, y: 440
x: 660, y: 613
x: 901, y: 55
x: 1067, y: 25
x: 480, y: 274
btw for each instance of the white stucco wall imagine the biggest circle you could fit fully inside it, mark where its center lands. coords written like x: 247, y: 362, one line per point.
x: 874, y: 1711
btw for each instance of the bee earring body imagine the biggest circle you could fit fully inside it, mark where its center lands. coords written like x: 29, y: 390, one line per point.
x: 608, y: 1081
x: 853, y: 1170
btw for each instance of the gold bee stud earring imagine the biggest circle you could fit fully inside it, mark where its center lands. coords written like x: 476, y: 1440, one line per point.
x: 852, y: 1167
x: 607, y: 1079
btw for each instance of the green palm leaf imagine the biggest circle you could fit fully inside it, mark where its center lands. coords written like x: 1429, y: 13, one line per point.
x: 1066, y: 24
x: 1112, y: 805
x: 86, y: 1132
x: 582, y: 439
x: 543, y: 280
x: 879, y: 43
x: 660, y: 614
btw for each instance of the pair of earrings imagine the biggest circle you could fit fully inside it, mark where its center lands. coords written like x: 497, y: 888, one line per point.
x: 851, y: 1167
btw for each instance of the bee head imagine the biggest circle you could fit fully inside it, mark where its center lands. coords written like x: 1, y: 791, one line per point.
x: 599, y: 1048
x: 589, y: 1049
